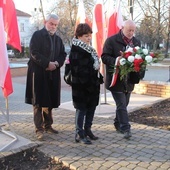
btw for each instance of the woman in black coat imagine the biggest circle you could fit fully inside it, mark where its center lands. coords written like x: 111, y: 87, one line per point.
x: 47, y: 55
x: 84, y: 64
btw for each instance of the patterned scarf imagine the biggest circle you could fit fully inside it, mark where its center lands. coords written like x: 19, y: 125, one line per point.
x: 89, y: 49
x: 128, y: 41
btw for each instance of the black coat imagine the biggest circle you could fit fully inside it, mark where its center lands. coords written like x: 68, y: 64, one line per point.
x: 85, y: 82
x: 111, y: 50
x: 43, y: 87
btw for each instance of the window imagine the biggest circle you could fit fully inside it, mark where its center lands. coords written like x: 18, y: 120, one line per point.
x: 22, y: 27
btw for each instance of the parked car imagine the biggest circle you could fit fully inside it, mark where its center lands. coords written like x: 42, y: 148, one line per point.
x: 11, y: 53
x: 67, y: 49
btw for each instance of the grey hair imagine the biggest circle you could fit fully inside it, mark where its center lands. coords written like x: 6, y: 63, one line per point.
x: 129, y: 22
x: 54, y: 16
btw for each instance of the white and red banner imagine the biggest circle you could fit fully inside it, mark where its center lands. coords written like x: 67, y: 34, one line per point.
x: 98, y: 27
x: 114, y: 24
x: 114, y: 19
x: 99, y: 30
x: 8, y: 24
x: 81, y: 15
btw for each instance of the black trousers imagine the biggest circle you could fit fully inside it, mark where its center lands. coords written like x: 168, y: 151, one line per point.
x: 42, y: 118
x: 84, y: 117
x: 121, y: 120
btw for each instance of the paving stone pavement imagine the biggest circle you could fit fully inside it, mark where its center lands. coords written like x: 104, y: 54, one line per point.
x: 148, y: 148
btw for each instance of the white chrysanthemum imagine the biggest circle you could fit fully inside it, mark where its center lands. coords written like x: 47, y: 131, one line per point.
x: 137, y: 47
x: 131, y: 58
x: 122, y: 61
x: 130, y: 49
x: 148, y: 58
x: 145, y: 51
x: 137, y: 56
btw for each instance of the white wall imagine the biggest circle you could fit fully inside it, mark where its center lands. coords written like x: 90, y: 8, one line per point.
x: 24, y: 26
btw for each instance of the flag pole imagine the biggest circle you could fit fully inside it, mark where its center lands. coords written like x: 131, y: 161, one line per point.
x: 7, y: 115
x: 104, y: 88
x: 7, y: 109
x: 103, y: 66
x: 14, y: 136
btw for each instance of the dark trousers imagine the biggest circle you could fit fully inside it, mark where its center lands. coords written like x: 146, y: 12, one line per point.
x: 42, y: 118
x: 121, y: 120
x: 84, y: 118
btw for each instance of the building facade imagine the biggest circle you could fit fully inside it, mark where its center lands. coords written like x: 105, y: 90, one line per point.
x: 24, y: 26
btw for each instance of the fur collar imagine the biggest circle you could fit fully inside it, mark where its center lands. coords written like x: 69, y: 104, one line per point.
x: 89, y: 49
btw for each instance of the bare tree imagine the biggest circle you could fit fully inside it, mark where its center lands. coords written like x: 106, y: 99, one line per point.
x: 157, y: 12
x: 67, y: 11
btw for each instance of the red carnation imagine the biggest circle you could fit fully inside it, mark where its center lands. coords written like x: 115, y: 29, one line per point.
x: 152, y: 54
x: 127, y: 54
x: 137, y: 63
x: 135, y: 50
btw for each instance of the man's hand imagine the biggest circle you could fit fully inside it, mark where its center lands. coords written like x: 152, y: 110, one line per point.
x: 119, y: 57
x: 56, y: 63
x: 52, y: 66
x: 121, y: 53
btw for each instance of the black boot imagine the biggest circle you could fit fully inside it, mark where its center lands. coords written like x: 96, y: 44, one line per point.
x: 83, y: 139
x: 89, y: 133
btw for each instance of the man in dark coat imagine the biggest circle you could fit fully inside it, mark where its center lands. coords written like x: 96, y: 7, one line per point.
x: 122, y: 89
x: 43, y: 86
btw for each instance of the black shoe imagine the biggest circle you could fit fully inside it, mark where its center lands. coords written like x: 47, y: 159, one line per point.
x: 89, y: 133
x: 118, y: 130
x: 82, y: 139
x: 51, y: 130
x: 127, y: 134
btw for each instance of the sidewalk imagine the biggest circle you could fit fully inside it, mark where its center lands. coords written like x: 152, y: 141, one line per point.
x: 149, y: 148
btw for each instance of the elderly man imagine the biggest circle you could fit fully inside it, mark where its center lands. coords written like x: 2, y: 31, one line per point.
x: 121, y: 91
x: 43, y: 86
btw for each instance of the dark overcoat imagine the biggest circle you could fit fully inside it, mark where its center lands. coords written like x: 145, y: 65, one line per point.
x: 85, y: 80
x: 111, y: 50
x: 43, y: 87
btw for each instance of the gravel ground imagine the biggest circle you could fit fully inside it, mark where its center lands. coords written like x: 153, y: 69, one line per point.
x: 30, y: 159
x: 157, y: 115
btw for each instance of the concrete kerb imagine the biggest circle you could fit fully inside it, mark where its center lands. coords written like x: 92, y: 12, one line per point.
x: 6, y: 154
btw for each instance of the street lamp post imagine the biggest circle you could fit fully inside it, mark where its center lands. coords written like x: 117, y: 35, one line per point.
x: 168, y: 37
x: 130, y: 4
x: 42, y: 10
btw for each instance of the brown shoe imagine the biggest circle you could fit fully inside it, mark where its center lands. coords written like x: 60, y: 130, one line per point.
x: 51, y: 130
x: 39, y: 135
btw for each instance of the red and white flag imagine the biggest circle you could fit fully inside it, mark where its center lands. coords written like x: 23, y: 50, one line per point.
x: 5, y: 76
x: 8, y: 24
x: 114, y: 19
x: 81, y: 15
x: 11, y: 24
x: 98, y: 27
x: 114, y: 24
